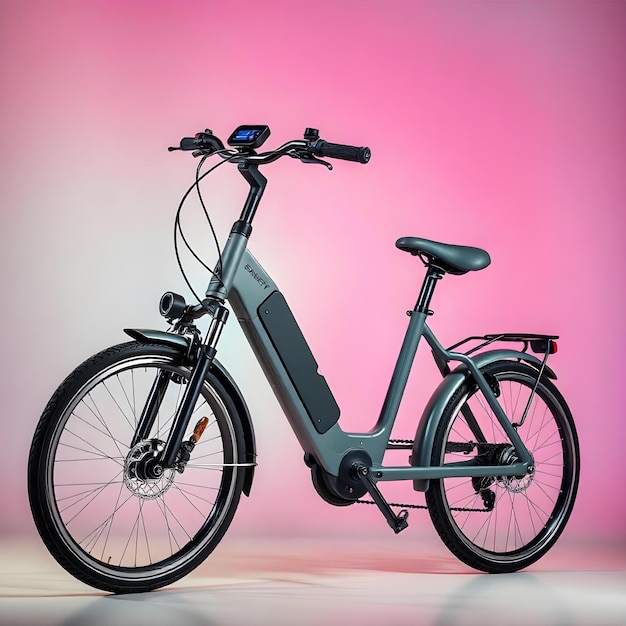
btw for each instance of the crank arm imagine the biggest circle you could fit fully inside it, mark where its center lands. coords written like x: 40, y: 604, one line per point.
x: 397, y: 522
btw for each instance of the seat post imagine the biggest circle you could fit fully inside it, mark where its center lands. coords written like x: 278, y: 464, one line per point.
x: 428, y: 287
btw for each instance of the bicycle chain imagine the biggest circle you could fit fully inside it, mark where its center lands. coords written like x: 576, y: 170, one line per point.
x: 403, y: 506
x: 420, y: 506
x: 423, y: 506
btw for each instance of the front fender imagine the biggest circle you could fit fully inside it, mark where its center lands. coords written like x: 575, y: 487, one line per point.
x: 425, y: 435
x: 181, y: 343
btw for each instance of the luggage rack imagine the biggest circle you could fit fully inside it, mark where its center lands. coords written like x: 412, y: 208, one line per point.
x: 539, y: 344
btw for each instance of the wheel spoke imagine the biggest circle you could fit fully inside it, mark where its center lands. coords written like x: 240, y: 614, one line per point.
x: 96, y: 412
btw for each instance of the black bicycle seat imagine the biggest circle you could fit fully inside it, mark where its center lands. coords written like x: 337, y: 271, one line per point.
x: 449, y: 258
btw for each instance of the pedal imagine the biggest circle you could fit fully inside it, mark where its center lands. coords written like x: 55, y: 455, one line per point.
x: 397, y: 522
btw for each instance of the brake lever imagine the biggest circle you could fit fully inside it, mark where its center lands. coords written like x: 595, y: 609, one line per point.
x: 307, y: 157
x: 195, y: 153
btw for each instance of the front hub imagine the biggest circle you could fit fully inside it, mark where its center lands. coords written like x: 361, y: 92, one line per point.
x: 144, y: 476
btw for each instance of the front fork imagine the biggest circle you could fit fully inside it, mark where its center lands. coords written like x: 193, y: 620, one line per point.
x: 203, y: 355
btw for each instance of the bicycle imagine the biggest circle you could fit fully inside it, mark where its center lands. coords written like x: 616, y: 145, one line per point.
x: 139, y: 459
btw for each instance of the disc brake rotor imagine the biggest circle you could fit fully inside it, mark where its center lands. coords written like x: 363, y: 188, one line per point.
x: 138, y: 459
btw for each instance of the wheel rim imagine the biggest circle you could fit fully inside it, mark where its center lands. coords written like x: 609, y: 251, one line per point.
x: 102, y: 514
x: 528, y: 511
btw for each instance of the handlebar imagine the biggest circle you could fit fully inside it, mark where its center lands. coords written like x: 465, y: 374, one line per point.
x: 243, y: 143
x: 307, y: 149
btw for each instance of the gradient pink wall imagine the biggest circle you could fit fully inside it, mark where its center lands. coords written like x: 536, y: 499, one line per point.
x: 500, y: 125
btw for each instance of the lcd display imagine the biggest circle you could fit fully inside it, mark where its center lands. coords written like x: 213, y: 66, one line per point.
x: 246, y: 135
x: 249, y: 136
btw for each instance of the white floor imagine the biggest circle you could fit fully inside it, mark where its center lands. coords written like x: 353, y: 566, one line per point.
x: 302, y: 582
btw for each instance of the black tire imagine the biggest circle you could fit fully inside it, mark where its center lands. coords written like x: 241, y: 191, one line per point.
x: 504, y: 524
x: 104, y: 526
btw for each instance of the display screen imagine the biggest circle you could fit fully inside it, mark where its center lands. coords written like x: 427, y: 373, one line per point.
x: 249, y: 136
x: 246, y: 134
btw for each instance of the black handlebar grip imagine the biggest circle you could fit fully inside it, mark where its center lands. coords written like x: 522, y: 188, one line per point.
x: 340, y: 151
x: 188, y: 143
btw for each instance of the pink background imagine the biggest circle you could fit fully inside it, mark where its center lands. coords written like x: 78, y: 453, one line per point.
x: 500, y: 125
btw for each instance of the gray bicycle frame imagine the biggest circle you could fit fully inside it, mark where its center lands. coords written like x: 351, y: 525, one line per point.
x: 251, y: 292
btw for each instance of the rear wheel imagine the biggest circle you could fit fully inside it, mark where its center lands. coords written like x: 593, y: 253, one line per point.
x: 99, y: 515
x: 503, y: 524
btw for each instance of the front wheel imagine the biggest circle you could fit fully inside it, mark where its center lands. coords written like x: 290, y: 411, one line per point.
x: 103, y: 520
x: 503, y: 524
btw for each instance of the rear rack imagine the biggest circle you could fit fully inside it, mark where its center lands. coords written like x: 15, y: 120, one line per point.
x: 539, y: 344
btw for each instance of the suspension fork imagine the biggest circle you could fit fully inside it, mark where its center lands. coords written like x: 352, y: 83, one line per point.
x: 204, y: 355
x: 152, y: 406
